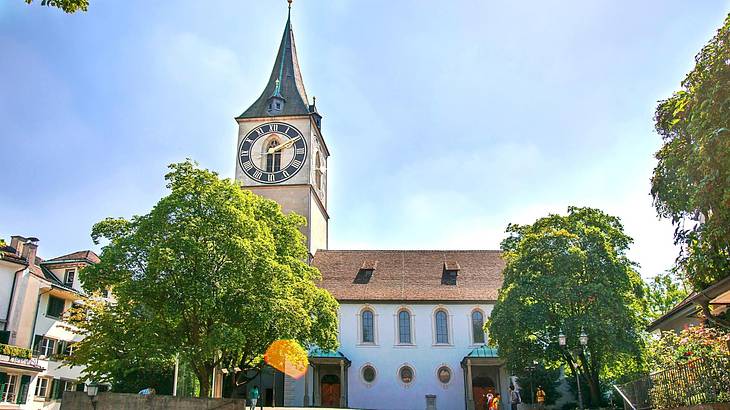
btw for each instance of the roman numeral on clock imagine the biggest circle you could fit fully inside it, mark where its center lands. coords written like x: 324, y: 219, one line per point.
x: 247, y: 165
x: 274, y: 127
x: 300, y: 151
x: 271, y: 177
x: 285, y: 173
x: 296, y: 163
x: 257, y: 174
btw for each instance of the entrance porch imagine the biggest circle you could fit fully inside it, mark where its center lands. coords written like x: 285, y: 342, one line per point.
x: 329, y: 380
x: 484, y: 374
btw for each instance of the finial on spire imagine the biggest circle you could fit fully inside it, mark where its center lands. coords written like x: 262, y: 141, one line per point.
x: 290, y: 2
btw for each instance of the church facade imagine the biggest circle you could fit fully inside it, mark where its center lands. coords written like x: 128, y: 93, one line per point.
x: 411, y: 321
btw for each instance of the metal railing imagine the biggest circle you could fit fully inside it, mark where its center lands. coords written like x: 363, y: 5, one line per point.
x: 699, y: 381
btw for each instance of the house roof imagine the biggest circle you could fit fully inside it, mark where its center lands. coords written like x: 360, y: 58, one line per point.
x: 715, y: 290
x: 285, y: 82
x: 411, y: 275
x: 79, y: 256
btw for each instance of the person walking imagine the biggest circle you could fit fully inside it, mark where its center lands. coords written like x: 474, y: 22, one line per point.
x: 254, y: 396
x: 540, y: 395
x: 514, y: 398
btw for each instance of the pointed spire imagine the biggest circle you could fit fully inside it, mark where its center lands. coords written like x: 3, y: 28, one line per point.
x: 285, y: 88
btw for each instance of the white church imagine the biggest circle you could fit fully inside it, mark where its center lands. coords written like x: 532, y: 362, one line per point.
x: 411, y: 321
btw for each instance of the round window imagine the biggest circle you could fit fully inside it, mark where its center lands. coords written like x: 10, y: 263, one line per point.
x: 444, y: 374
x: 368, y: 374
x: 406, y: 374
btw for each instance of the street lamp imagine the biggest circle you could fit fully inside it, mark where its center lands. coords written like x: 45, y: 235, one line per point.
x: 583, y: 338
x: 531, y: 369
x: 92, y: 390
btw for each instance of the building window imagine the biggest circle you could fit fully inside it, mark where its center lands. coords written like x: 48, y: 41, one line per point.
x: 41, y: 387
x: 273, y: 161
x: 8, y: 388
x: 368, y: 374
x: 318, y: 171
x: 68, y: 278
x: 444, y: 374
x: 368, y: 326
x: 46, y: 346
x: 55, y: 307
x: 477, y: 327
x: 406, y: 374
x: 404, y: 327
x: 442, y: 328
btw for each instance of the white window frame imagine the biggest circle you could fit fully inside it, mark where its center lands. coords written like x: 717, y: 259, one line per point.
x: 396, y: 329
x: 7, y: 395
x: 69, y: 272
x: 449, y: 327
x: 375, y: 327
x: 40, y: 385
x: 472, y: 342
x: 45, y: 343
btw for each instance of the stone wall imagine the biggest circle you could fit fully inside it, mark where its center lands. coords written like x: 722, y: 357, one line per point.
x: 124, y: 401
x: 713, y: 406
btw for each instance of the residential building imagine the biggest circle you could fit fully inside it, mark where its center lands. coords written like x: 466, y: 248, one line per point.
x: 34, y: 294
x: 689, y: 313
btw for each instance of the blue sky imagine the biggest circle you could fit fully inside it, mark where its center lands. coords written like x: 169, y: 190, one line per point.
x: 446, y: 120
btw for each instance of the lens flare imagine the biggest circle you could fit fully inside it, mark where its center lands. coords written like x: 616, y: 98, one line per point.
x: 288, y: 357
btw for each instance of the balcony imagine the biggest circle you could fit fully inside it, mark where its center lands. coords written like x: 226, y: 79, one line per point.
x: 18, y: 357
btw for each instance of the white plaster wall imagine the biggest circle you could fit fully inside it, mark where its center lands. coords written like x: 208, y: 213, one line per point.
x: 387, y: 391
x: 7, y: 273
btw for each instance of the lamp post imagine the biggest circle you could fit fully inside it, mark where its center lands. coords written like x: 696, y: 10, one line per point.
x: 583, y: 338
x: 92, y: 390
x: 531, y: 369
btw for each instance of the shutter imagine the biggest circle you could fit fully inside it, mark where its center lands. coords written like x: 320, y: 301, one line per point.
x: 80, y: 386
x: 57, y: 389
x: 23, y: 392
x: 3, y: 380
x: 5, y: 337
x: 37, y: 344
x: 61, y: 347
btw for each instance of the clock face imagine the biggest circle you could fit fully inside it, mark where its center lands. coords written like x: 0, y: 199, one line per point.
x: 272, y: 152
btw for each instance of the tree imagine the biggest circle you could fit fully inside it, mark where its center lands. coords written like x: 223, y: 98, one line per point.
x: 663, y: 293
x: 69, y: 6
x: 691, y: 181
x: 213, y: 273
x: 570, y: 273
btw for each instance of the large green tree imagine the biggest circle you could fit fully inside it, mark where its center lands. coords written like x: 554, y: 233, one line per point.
x: 691, y: 182
x: 570, y: 273
x: 69, y: 6
x: 213, y: 273
x: 663, y: 292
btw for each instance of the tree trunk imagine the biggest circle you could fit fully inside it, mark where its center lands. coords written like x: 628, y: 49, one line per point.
x: 203, y: 372
x: 595, y: 390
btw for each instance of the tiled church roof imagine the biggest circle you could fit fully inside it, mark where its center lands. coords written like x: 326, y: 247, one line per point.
x: 402, y: 275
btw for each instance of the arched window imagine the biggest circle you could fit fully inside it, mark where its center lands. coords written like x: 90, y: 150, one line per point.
x: 442, y: 327
x: 477, y: 326
x: 368, y: 329
x: 404, y: 327
x: 273, y: 161
x: 318, y: 171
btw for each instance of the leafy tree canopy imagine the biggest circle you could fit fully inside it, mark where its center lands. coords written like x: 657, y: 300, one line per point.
x: 570, y: 273
x: 691, y: 182
x: 663, y: 293
x: 69, y: 6
x: 213, y: 273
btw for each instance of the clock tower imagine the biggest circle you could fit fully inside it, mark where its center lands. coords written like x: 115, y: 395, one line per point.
x: 281, y: 154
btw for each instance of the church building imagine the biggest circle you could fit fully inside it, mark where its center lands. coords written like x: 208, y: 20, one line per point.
x: 411, y: 321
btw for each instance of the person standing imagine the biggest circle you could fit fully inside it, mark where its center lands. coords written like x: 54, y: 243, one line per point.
x: 494, y: 405
x: 514, y: 398
x: 540, y: 395
x: 254, y: 395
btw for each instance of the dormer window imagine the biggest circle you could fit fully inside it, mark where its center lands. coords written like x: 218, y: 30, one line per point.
x: 450, y: 273
x: 68, y: 278
x: 366, y: 272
